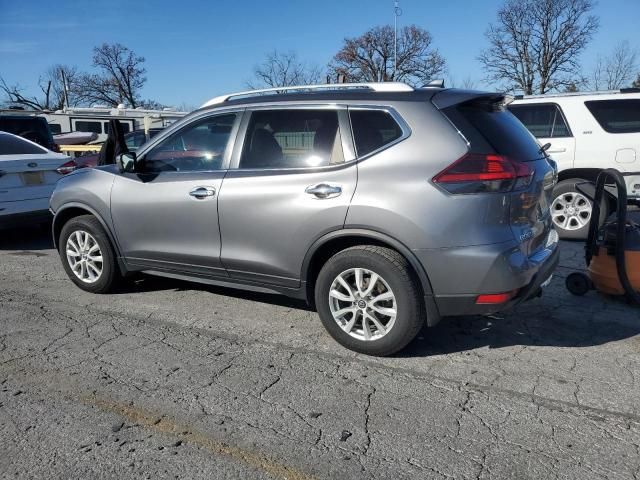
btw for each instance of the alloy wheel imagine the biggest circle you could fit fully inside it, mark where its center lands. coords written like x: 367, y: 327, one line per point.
x: 571, y: 211
x: 84, y: 256
x: 362, y: 304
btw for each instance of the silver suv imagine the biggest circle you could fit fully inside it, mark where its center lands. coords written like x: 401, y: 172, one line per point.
x: 386, y: 207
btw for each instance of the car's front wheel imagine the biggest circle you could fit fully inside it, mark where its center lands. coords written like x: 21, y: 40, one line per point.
x: 369, y: 300
x: 87, y: 255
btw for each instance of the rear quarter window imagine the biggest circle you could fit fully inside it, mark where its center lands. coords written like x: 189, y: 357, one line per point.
x: 616, y: 116
x: 373, y: 129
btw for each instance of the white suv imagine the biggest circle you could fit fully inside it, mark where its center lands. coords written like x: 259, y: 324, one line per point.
x: 588, y: 132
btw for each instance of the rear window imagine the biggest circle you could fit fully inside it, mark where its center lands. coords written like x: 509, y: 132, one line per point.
x: 493, y: 129
x: 10, y: 145
x: 616, y: 116
x: 34, y: 129
x: 373, y: 129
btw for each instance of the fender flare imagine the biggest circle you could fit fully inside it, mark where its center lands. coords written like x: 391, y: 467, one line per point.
x: 373, y: 235
x: 93, y: 212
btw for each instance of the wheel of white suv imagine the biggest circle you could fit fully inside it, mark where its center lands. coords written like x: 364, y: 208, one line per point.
x: 87, y: 255
x: 369, y: 300
x: 571, y: 210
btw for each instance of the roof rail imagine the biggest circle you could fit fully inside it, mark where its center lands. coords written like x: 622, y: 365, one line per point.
x: 376, y: 87
x: 578, y: 94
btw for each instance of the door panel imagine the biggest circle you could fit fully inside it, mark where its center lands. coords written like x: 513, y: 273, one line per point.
x: 158, y: 223
x: 268, y: 221
x: 562, y: 150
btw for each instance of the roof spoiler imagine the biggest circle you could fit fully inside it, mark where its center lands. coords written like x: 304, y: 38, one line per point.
x: 448, y: 98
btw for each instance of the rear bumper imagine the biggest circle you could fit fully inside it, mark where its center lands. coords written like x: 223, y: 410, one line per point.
x: 465, y: 273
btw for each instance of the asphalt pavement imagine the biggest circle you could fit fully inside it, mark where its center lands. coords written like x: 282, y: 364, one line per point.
x: 169, y: 379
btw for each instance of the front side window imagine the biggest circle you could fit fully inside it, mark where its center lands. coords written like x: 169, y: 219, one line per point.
x: 616, y: 116
x: 373, y: 129
x: 197, y: 147
x: 543, y: 121
x: 293, y: 138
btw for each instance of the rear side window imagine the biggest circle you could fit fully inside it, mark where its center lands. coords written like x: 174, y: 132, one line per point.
x: 616, y: 116
x: 10, y: 145
x: 86, y: 126
x: 490, y: 128
x: 293, y: 138
x: 543, y: 120
x: 373, y: 129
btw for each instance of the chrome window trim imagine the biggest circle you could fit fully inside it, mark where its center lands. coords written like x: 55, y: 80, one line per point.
x: 406, y: 130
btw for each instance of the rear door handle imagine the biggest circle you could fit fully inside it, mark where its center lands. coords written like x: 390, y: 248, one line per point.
x: 202, y: 192
x: 324, y: 190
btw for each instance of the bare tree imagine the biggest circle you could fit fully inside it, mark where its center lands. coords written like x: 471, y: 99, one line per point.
x: 616, y: 70
x: 370, y: 57
x: 636, y: 82
x: 52, y: 87
x: 284, y: 70
x: 121, y: 77
x: 467, y: 83
x: 535, y: 45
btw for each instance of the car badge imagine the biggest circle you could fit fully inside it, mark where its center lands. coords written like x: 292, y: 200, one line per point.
x: 32, y: 165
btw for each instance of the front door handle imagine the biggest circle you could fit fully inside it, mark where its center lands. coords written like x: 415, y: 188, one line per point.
x: 557, y: 150
x: 324, y: 190
x: 202, y: 192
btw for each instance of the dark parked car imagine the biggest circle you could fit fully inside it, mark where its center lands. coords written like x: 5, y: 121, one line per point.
x: 30, y: 127
x: 133, y: 140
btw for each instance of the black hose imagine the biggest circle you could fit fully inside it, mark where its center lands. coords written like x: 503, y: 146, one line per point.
x: 621, y: 235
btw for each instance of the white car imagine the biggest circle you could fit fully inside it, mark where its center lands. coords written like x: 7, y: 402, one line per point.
x: 28, y: 175
x: 588, y: 132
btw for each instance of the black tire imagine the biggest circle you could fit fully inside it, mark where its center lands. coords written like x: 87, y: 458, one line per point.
x: 578, y: 284
x: 110, y: 276
x: 569, y: 186
x: 396, y: 271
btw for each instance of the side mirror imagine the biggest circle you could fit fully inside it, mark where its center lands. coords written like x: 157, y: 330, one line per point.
x: 127, y: 162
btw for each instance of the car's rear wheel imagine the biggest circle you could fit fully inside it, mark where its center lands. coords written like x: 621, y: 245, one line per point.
x: 572, y: 209
x: 87, y: 255
x: 369, y: 300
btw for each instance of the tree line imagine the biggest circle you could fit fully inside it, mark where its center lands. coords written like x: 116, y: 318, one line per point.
x: 534, y: 48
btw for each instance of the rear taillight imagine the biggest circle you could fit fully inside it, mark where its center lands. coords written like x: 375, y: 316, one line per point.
x: 478, y: 173
x: 496, y: 298
x: 67, y: 167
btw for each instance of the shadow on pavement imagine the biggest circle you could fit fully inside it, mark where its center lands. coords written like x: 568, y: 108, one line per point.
x: 37, y: 237
x: 574, y: 323
x: 558, y: 321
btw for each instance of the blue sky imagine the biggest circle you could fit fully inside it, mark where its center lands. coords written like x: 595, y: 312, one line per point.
x: 197, y: 49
